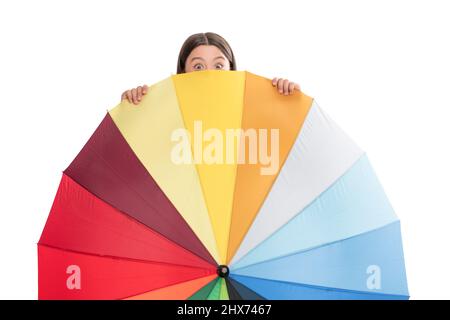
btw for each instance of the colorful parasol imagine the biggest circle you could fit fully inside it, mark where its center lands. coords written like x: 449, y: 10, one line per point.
x: 217, y: 187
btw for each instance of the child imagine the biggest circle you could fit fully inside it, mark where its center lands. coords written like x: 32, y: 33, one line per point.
x: 207, y: 51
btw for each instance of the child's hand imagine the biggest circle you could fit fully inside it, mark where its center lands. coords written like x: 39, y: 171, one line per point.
x: 284, y: 86
x: 134, y: 95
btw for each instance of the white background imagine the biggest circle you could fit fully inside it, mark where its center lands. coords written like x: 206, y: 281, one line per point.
x: 381, y: 69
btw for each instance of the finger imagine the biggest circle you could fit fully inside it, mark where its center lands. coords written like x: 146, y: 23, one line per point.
x: 144, y: 89
x: 123, y: 96
x: 134, y: 95
x: 291, y: 87
x: 280, y: 85
x: 139, y: 93
x: 274, y: 81
x: 286, y: 87
x: 297, y: 87
x: 129, y: 96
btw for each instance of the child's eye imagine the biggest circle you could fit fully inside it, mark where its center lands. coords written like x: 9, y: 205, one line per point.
x: 219, y: 66
x: 198, y: 66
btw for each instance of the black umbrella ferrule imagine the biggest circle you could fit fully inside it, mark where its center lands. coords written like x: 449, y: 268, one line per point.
x: 223, y: 271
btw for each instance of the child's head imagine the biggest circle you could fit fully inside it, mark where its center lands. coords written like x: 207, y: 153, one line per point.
x: 205, y: 51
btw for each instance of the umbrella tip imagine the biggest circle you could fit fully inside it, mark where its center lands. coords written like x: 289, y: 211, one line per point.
x: 223, y: 271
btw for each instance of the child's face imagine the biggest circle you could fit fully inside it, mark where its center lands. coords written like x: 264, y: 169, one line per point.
x: 206, y: 58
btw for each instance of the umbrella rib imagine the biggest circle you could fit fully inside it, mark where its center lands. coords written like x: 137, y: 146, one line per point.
x: 212, y: 283
x: 269, y: 189
x: 315, y: 247
x: 325, y: 288
x: 200, y: 181
x: 134, y: 220
x: 125, y: 183
x: 236, y: 176
x: 233, y: 293
x: 124, y: 258
x: 149, y: 204
x: 162, y: 287
x: 234, y: 282
x: 333, y: 182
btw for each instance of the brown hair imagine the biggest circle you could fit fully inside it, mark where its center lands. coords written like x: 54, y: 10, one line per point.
x: 208, y: 38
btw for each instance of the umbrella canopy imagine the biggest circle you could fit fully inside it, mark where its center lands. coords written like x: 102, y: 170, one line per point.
x: 217, y: 187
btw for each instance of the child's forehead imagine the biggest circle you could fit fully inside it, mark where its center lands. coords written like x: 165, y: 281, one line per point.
x: 206, y: 51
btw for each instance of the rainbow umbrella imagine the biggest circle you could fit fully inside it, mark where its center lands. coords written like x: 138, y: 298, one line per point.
x: 218, y: 187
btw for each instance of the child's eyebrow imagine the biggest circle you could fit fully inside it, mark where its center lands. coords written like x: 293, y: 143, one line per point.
x: 219, y: 57
x: 197, y: 58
